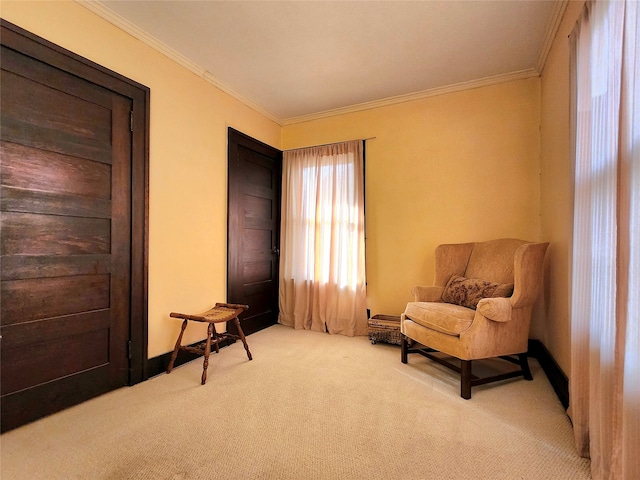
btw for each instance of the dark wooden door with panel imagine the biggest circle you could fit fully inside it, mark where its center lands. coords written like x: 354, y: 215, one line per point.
x: 66, y: 238
x: 255, y: 178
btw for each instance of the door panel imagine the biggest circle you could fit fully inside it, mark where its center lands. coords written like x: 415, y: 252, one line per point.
x: 254, y: 230
x: 23, y: 266
x: 65, y: 211
x: 49, y: 364
x: 39, y: 298
x: 49, y: 119
x: 67, y: 325
x: 36, y: 234
x: 32, y: 169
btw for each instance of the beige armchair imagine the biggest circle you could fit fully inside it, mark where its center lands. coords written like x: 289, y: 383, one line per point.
x: 479, y: 307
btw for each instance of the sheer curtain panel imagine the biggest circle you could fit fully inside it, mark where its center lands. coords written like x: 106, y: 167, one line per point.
x: 605, y: 308
x: 322, y: 263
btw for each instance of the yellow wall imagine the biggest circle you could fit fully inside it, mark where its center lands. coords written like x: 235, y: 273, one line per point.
x: 451, y: 168
x: 188, y: 159
x: 557, y: 190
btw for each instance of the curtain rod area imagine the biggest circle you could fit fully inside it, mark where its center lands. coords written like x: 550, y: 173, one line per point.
x: 326, y: 144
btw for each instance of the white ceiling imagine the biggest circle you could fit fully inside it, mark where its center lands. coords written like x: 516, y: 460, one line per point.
x: 295, y: 60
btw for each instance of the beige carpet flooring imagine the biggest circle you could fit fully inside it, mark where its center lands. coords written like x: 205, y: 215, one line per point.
x: 309, y: 406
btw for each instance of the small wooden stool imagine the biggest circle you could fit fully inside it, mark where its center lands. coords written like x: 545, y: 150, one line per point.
x: 221, y: 312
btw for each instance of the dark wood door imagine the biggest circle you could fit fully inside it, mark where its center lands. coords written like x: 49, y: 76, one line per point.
x: 66, y: 238
x: 255, y: 178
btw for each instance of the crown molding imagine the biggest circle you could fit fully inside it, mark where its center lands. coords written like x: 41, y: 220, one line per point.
x: 553, y: 26
x: 458, y: 87
x: 109, y: 15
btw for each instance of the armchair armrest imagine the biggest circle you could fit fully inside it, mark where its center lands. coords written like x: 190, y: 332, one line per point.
x: 427, y: 293
x: 496, y: 309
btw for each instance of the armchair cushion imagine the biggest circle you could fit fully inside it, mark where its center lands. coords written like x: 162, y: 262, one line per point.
x: 467, y: 292
x: 443, y: 317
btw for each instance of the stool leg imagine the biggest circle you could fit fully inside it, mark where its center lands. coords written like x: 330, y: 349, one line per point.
x: 241, y: 335
x: 174, y: 355
x: 216, y: 340
x: 207, y: 351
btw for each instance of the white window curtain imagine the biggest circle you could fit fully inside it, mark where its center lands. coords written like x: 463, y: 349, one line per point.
x: 605, y: 307
x: 322, y: 262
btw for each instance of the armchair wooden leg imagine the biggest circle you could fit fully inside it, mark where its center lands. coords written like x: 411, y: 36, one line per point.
x: 524, y: 363
x: 404, y: 346
x: 465, y: 379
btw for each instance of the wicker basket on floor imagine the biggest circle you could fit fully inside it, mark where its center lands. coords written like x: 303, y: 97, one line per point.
x: 384, y: 328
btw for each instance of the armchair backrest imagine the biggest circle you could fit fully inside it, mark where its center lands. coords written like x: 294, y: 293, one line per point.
x: 493, y: 261
x: 506, y: 260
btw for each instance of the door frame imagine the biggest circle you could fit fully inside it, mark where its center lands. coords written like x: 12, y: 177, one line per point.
x: 26, y: 43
